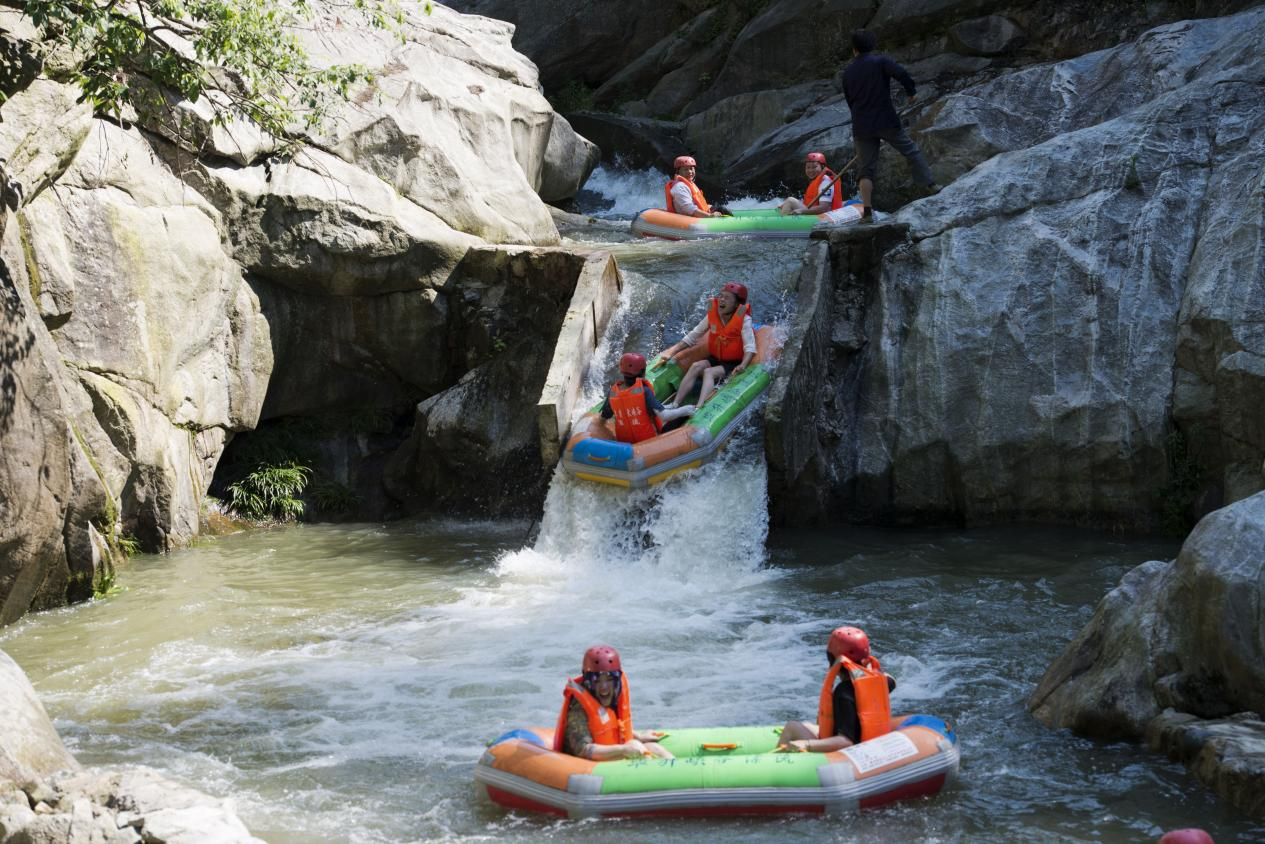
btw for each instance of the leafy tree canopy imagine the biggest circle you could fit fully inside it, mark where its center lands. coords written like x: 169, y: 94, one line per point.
x: 244, y: 56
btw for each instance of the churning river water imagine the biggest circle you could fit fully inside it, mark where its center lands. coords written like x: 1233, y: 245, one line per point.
x: 340, y: 681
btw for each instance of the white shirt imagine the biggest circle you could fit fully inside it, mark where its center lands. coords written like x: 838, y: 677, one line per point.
x: 699, y: 332
x: 682, y: 199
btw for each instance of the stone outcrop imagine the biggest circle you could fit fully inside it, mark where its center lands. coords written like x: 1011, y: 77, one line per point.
x: 1176, y: 654
x: 170, y: 285
x: 472, y: 447
x: 1060, y: 322
x: 46, y: 796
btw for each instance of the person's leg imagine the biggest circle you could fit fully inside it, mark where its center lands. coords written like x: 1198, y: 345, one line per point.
x: 867, y: 166
x: 711, y: 377
x: 797, y: 731
x: 687, y: 383
x: 790, y: 206
x: 905, y: 145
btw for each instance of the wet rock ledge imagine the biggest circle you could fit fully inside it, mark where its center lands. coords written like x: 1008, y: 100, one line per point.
x: 46, y: 796
x: 1175, y: 655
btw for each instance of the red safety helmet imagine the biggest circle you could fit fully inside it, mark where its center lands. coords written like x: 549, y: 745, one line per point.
x: 1186, y: 836
x: 816, y: 156
x: 601, y: 658
x: 739, y: 290
x: 683, y: 161
x: 632, y: 364
x: 850, y: 642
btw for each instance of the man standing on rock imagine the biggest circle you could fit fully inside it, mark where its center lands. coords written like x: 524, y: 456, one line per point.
x: 867, y: 88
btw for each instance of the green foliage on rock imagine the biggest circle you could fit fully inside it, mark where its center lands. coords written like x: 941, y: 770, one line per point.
x: 241, y: 56
x: 271, y: 492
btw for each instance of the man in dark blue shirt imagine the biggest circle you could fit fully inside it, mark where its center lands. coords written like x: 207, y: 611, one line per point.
x: 867, y: 88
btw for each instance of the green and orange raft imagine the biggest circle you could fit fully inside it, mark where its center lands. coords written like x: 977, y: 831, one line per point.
x: 593, y: 454
x: 722, y: 771
x: 755, y: 222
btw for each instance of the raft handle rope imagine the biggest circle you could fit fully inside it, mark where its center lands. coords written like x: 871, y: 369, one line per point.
x: 727, y: 745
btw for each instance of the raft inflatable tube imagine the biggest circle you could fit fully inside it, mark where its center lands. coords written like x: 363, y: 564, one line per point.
x: 757, y: 222
x: 721, y: 771
x: 593, y: 453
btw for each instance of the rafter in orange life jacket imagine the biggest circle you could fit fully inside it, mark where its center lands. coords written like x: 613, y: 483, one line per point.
x: 724, y: 339
x: 869, y: 684
x: 814, y: 189
x: 606, y: 726
x: 633, y: 422
x: 695, y: 193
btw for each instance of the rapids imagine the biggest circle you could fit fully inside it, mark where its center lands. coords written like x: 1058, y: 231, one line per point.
x: 340, y: 681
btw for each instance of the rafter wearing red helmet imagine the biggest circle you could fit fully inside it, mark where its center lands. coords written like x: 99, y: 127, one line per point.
x: 681, y: 195
x: 596, y: 717
x: 730, y: 335
x: 822, y: 194
x: 856, y: 709
x: 638, y: 414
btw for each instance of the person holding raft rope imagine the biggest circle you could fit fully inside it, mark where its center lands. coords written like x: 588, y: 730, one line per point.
x: 867, y: 88
x: 596, y: 717
x: 682, y: 196
x: 822, y: 193
x: 730, y: 343
x: 855, y: 710
x: 631, y: 402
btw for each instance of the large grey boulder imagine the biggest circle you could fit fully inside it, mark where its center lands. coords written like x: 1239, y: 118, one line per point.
x: 30, y: 748
x: 569, y: 160
x: 1176, y: 653
x: 1187, y: 635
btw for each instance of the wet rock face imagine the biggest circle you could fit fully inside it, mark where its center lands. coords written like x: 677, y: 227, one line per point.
x: 159, y: 300
x: 1019, y: 354
x: 675, y: 60
x: 1175, y: 650
x: 475, y: 446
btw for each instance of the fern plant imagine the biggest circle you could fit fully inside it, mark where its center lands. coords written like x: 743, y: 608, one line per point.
x: 270, y: 492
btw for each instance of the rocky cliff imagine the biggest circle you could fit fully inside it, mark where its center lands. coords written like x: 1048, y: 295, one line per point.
x: 749, y: 87
x: 166, y: 291
x: 1072, y: 330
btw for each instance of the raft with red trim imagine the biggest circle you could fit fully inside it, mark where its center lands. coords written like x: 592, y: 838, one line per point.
x: 593, y: 454
x: 722, y: 771
x: 755, y: 222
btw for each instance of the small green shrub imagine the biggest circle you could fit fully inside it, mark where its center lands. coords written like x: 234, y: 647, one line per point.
x: 574, y: 96
x: 270, y: 492
x: 1177, y: 498
x: 129, y: 545
x: 329, y: 496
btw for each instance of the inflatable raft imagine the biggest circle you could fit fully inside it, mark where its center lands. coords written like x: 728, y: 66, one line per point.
x: 593, y: 453
x: 722, y: 771
x: 758, y: 222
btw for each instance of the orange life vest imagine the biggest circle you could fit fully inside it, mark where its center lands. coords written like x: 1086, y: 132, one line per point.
x: 724, y: 339
x: 817, y: 185
x: 869, y: 684
x: 695, y: 193
x: 632, y: 423
x: 605, y: 726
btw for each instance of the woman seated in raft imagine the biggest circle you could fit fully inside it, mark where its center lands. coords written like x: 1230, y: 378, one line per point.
x: 730, y: 343
x: 682, y: 196
x: 857, y: 709
x: 596, y: 718
x: 822, y: 193
x: 631, y: 401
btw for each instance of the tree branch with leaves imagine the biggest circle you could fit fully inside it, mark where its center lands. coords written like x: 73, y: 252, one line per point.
x: 244, y: 57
